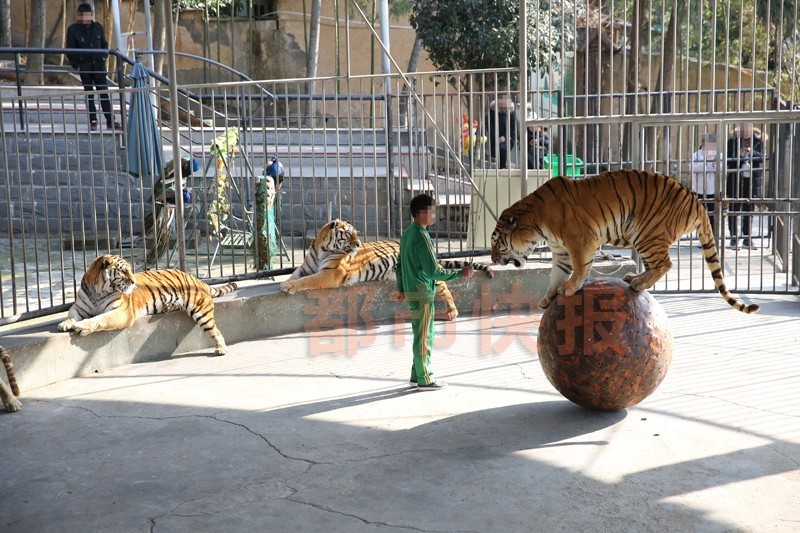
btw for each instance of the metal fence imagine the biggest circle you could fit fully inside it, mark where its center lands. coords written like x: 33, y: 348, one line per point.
x: 642, y: 84
x: 354, y: 148
x: 621, y: 93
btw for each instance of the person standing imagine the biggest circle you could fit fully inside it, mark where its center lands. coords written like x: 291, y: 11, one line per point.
x: 744, y: 179
x: 88, y: 34
x: 502, y: 122
x: 418, y: 270
x: 705, y: 165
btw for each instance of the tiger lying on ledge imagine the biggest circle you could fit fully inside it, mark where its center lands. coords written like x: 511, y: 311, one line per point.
x: 338, y: 258
x: 113, y: 297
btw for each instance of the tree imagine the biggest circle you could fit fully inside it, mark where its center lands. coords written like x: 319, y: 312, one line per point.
x: 36, y: 40
x: 159, y: 33
x: 483, y: 34
x: 398, y: 8
x: 5, y: 23
x: 760, y: 35
x: 639, y: 20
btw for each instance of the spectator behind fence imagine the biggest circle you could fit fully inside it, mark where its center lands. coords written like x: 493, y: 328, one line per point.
x: 705, y: 164
x: 88, y: 34
x: 744, y: 179
x: 538, y: 143
x: 502, y: 122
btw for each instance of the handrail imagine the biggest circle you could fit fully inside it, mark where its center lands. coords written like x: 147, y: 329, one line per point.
x: 121, y: 58
x: 232, y: 70
x: 17, y: 50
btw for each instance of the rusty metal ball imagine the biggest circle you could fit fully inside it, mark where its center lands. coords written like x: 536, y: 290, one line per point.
x: 607, y: 347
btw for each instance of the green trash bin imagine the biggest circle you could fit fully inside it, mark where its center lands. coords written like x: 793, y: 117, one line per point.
x: 573, y: 166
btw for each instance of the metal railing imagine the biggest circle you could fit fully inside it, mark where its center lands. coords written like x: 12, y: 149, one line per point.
x: 359, y: 147
x: 68, y: 194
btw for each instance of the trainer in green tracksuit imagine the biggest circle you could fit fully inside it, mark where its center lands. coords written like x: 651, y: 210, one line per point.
x: 417, y: 273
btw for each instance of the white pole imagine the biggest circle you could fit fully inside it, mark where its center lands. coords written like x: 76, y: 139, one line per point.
x: 523, y: 97
x: 117, y: 26
x: 176, y: 139
x: 386, y: 66
x: 148, y: 28
x: 386, y: 70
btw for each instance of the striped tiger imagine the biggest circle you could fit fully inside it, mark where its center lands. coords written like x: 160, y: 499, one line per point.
x: 338, y: 258
x: 113, y: 297
x: 630, y: 208
x: 7, y: 394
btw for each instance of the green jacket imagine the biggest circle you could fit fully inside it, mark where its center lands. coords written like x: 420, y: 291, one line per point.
x: 418, y: 270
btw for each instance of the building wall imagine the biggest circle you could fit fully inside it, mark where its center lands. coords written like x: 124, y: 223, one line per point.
x: 266, y: 49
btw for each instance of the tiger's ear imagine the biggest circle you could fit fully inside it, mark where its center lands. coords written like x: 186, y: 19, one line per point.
x: 512, y: 222
x: 333, y: 224
x: 107, y: 262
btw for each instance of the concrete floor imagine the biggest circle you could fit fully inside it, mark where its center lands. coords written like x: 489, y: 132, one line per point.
x: 320, y: 432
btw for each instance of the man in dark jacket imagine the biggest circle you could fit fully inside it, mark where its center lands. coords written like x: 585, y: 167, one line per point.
x: 745, y: 153
x: 502, y: 121
x: 88, y: 34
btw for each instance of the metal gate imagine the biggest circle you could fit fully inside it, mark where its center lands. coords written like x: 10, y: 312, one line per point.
x: 705, y: 92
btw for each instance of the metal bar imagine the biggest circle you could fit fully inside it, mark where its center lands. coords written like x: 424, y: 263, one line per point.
x: 176, y: 140
x: 19, y: 91
x: 440, y: 109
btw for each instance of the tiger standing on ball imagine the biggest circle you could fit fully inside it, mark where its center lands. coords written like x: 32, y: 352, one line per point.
x: 629, y: 208
x: 113, y: 297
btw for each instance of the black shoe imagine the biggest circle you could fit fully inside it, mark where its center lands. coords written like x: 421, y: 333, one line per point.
x: 93, y: 125
x: 747, y: 243
x: 734, y: 243
x: 433, y: 385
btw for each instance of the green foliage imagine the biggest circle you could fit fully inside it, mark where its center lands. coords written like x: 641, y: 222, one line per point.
x: 215, y: 7
x: 751, y: 34
x: 476, y: 34
x: 398, y: 8
x: 223, y: 148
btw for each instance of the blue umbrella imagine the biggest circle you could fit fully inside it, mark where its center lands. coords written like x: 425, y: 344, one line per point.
x: 145, y: 155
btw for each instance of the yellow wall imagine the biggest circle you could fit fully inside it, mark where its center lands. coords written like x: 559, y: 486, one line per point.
x: 278, y: 46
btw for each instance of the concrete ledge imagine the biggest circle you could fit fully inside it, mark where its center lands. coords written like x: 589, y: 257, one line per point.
x: 42, y: 355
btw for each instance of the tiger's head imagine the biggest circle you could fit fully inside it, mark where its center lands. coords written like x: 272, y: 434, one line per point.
x: 109, y: 274
x: 510, y: 242
x: 338, y: 237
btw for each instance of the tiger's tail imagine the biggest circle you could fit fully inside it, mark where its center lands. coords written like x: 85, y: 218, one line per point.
x: 706, y: 235
x: 12, y: 379
x: 463, y: 264
x: 222, y: 290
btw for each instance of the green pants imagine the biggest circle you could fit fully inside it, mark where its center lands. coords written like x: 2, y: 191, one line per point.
x: 422, y: 325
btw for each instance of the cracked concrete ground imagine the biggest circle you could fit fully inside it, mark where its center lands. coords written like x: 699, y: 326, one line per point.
x: 313, y: 432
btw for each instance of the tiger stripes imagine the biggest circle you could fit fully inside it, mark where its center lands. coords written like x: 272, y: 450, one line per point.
x: 7, y: 394
x: 630, y: 208
x: 338, y: 258
x: 113, y: 297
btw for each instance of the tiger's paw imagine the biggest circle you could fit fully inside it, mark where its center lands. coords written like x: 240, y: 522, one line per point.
x: 288, y: 287
x: 638, y: 286
x: 544, y: 303
x: 66, y: 325
x: 221, y: 350
x: 452, y: 314
x: 570, y: 288
x: 628, y: 277
x: 12, y: 405
x: 82, y: 328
